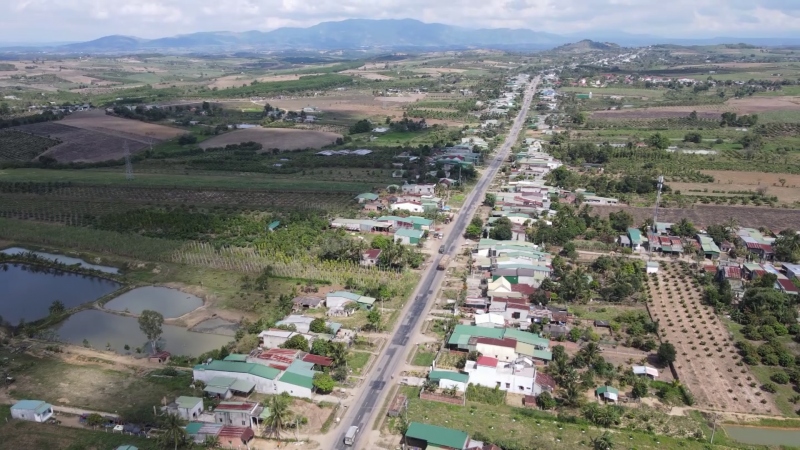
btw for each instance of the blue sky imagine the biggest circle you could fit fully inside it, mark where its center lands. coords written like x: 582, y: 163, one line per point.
x: 76, y: 20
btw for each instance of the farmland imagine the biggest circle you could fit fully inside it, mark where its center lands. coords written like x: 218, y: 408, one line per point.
x: 270, y: 138
x: 704, y: 215
x: 707, y: 359
x: 18, y: 146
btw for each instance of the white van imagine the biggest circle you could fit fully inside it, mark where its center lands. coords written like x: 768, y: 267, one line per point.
x: 350, y: 436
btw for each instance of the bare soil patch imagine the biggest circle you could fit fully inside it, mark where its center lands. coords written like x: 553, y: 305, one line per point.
x: 706, y: 353
x: 439, y: 70
x: 281, y: 138
x: 788, y: 192
x: 367, y: 75
x: 83, y: 145
x: 704, y: 215
x: 97, y: 120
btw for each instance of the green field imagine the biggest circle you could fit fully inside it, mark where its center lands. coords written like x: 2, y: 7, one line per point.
x: 356, y: 361
x: 221, y: 180
x: 617, y: 90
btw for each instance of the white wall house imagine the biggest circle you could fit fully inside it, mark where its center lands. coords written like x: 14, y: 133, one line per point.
x: 32, y: 410
x: 187, y: 408
x: 408, y: 206
x: 517, y: 377
x: 500, y: 349
x: 418, y: 188
x: 449, y: 380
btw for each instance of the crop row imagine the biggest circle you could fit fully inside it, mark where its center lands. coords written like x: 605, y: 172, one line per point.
x: 19, y: 146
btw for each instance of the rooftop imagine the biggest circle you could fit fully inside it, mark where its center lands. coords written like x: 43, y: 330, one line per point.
x: 437, y: 436
x: 258, y: 370
x: 437, y: 375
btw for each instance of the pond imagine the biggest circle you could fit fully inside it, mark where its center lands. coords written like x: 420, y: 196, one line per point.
x: 217, y: 326
x: 170, y: 303
x: 60, y: 258
x: 26, y: 292
x: 763, y: 436
x: 101, y: 328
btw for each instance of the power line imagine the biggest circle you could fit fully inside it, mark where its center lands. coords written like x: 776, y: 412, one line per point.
x: 128, y: 163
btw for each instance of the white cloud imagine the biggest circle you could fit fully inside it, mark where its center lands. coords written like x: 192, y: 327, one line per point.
x: 48, y: 20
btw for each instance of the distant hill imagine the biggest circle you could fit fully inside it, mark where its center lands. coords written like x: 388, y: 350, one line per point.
x: 587, y: 45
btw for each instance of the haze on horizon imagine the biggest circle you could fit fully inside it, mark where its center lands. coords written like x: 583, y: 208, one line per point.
x: 33, y: 21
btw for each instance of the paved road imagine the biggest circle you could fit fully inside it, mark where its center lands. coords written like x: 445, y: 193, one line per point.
x: 363, y: 411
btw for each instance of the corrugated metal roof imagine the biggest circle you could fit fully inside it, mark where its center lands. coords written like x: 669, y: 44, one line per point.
x: 297, y: 380
x: 470, y: 330
x: 235, y: 357
x: 437, y: 375
x: 438, y: 436
x: 188, y: 402
x: 258, y: 370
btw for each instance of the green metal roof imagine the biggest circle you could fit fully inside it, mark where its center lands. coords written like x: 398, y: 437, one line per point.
x: 274, y: 225
x: 367, y: 196
x: 438, y: 436
x: 297, y: 380
x: 345, y: 294
x: 258, y: 370
x: 188, y: 402
x: 603, y: 389
x: 543, y: 354
x: 193, y: 427
x: 470, y: 330
x: 437, y: 375
x: 408, y: 232
x: 219, y: 390
x: 236, y: 357
x: 29, y: 405
x: 635, y: 235
x: 526, y: 337
x: 243, y: 386
x: 221, y: 382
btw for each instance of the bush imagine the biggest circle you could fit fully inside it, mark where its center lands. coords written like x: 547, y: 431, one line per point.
x: 769, y: 387
x: 545, y: 401
x: 780, y: 377
x: 186, y: 139
x: 482, y: 394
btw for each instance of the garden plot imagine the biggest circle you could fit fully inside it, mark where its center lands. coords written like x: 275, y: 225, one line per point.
x: 707, y: 360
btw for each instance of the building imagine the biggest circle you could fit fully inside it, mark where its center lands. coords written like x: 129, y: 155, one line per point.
x: 420, y: 189
x: 228, y: 436
x: 408, y: 237
x: 414, y: 207
x: 607, y: 393
x: 32, y: 410
x: 238, y: 414
x: 651, y: 372
x: 490, y: 320
x: 360, y: 225
x: 275, y: 337
x: 708, y: 246
x: 223, y: 376
x: 652, y: 267
x: 415, y: 222
x: 370, y: 257
x: 517, y: 377
x: 187, y: 408
x: 306, y: 302
x: 337, y: 302
x: 635, y: 238
x: 424, y: 436
x: 448, y: 379
x: 500, y: 349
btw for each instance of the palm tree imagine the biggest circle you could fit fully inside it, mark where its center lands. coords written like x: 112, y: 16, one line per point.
x: 338, y: 353
x: 211, y: 441
x: 590, y: 352
x: 603, y: 442
x: 174, y: 431
x: 279, y: 415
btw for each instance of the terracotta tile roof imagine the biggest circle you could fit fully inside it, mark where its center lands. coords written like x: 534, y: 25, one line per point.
x: 508, y: 343
x: 318, y: 360
x: 372, y: 253
x: 787, y: 285
x: 544, y: 379
x: 245, y: 434
x: 487, y: 361
x: 524, y: 289
x: 733, y: 272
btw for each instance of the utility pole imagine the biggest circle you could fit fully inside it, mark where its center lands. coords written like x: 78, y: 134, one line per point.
x: 128, y: 164
x: 655, y: 214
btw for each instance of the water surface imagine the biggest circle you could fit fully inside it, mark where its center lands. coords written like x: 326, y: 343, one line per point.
x: 101, y: 328
x: 170, y: 303
x: 68, y: 260
x: 763, y: 436
x: 26, y: 292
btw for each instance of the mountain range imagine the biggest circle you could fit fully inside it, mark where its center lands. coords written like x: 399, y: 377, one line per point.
x: 354, y: 34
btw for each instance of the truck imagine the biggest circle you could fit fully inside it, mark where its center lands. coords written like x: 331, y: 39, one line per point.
x: 444, y: 262
x: 350, y: 436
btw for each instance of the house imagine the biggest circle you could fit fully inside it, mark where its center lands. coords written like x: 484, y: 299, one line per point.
x: 161, y: 357
x: 708, y: 246
x: 635, y: 238
x: 366, y: 197
x: 652, y: 267
x: 489, y: 320
x: 555, y: 331
x: 607, y: 393
x: 370, y: 257
x: 420, y: 189
x: 414, y: 207
x: 651, y: 372
x: 32, y: 410
x: 298, y: 379
x: 423, y: 436
x: 228, y: 436
x: 517, y: 377
x: 200, y: 431
x: 792, y: 271
x: 303, y: 323
x: 275, y: 337
x: 187, y: 408
x: 529, y: 344
x: 786, y: 286
x: 415, y: 222
x: 448, y: 379
x: 306, y: 302
x: 238, y: 414
x: 502, y: 349
x: 408, y: 237
x: 221, y: 377
x: 273, y: 225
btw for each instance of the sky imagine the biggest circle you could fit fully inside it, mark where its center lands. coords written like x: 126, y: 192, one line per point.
x: 80, y: 20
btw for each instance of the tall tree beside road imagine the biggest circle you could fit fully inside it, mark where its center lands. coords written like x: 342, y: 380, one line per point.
x: 150, y: 323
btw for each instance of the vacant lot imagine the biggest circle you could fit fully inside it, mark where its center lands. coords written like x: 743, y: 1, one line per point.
x: 280, y: 138
x: 706, y: 354
x: 97, y: 120
x: 78, y: 144
x: 747, y: 105
x: 704, y: 215
x: 787, y: 191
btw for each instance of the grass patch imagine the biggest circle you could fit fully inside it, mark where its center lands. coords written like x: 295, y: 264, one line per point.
x: 356, y: 361
x: 423, y: 358
x: 781, y: 396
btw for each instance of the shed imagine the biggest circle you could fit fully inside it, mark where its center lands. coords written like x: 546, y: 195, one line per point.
x: 602, y: 324
x: 273, y: 225
x: 408, y: 236
x: 448, y: 379
x: 160, y: 357
x: 607, y: 393
x: 651, y: 372
x: 32, y: 410
x: 652, y: 267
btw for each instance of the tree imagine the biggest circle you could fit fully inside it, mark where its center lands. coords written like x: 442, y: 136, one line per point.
x: 621, y: 220
x: 603, y: 442
x: 490, y: 200
x: 658, y: 141
x: 570, y: 251
x: 296, y: 342
x: 362, y: 126
x: 323, y: 383
x: 787, y: 246
x: 693, y: 137
x: 545, y: 401
x: 666, y: 353
x: 374, y: 319
x: 248, y: 342
x: 211, y: 441
x: 589, y: 352
x: 95, y: 420
x: 320, y: 347
x: 186, y: 139
x: 639, y: 388
x: 150, y: 323
x: 173, y: 429
x: 57, y: 308
x: 338, y: 353
x: 279, y: 415
x: 474, y: 229
x: 684, y: 228
x: 318, y: 325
